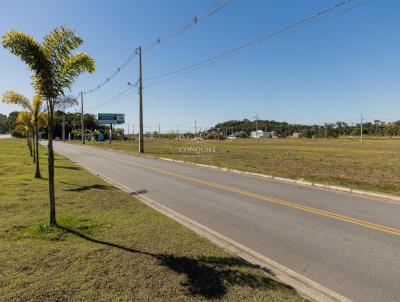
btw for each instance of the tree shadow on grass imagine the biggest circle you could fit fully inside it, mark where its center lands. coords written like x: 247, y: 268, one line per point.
x: 68, y: 167
x: 208, y: 277
x: 80, y: 188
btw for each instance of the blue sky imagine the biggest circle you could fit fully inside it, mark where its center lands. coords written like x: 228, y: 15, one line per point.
x: 328, y: 70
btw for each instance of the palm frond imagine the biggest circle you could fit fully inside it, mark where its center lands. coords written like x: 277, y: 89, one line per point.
x: 12, y: 97
x: 74, y: 65
x: 37, y: 103
x: 25, y: 118
x: 42, y: 120
x: 27, y: 49
x: 59, y: 43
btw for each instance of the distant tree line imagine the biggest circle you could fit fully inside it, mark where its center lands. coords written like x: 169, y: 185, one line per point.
x: 244, y: 127
x: 241, y: 127
x: 72, y: 125
x: 8, y: 123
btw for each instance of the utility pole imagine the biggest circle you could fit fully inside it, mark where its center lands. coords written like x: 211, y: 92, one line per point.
x: 128, y: 132
x: 83, y: 134
x: 326, y: 131
x: 195, y: 128
x: 110, y: 140
x: 361, y: 132
x: 140, y: 90
x: 159, y: 131
x: 256, y: 123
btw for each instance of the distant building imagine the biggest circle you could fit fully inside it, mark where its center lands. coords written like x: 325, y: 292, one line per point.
x: 257, y: 134
x: 298, y: 134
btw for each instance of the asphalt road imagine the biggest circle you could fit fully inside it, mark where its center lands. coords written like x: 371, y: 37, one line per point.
x: 347, y: 243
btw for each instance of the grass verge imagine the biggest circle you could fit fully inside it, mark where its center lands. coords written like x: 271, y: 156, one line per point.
x: 373, y: 165
x: 108, y: 246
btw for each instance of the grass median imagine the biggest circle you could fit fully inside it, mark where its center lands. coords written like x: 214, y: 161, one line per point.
x: 373, y: 165
x: 108, y: 246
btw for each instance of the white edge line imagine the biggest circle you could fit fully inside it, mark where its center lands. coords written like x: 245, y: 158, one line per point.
x: 303, y: 285
x: 351, y: 191
x: 288, y: 180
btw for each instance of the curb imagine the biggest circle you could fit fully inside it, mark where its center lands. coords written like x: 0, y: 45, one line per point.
x: 307, y: 287
x: 301, y: 182
x: 282, y: 179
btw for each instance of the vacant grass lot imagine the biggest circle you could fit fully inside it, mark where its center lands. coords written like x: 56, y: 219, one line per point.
x: 109, y: 246
x: 373, y: 165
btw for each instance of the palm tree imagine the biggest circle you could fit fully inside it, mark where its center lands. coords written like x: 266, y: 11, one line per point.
x: 11, y: 97
x: 63, y: 103
x: 23, y: 124
x: 34, y: 108
x: 55, y: 69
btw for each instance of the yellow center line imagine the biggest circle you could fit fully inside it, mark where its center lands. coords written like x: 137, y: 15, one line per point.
x: 363, y: 223
x: 362, y: 196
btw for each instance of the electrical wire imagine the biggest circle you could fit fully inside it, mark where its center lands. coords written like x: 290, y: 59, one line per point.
x: 251, y: 43
x: 107, y: 80
x: 195, y: 20
x: 193, y: 67
x: 115, y: 98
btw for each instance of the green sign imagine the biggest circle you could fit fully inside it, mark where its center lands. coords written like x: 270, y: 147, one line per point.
x: 111, y: 118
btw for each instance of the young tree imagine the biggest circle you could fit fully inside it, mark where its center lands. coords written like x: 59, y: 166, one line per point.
x: 65, y: 102
x: 34, y: 108
x: 23, y: 118
x: 55, y: 68
x: 24, y: 126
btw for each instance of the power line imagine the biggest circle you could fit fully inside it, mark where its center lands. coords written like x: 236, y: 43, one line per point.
x: 102, y: 84
x: 251, y: 43
x: 115, y: 98
x: 173, y: 76
x: 160, y: 39
x: 184, y: 27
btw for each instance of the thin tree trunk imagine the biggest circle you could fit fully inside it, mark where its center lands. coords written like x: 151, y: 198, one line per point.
x: 37, y: 173
x: 51, y: 169
x: 63, y: 125
x: 34, y: 146
x: 29, y: 144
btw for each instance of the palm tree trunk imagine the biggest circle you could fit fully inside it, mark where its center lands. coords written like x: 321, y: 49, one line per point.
x: 34, y: 146
x: 63, y: 126
x: 37, y: 173
x: 29, y: 144
x: 51, y: 169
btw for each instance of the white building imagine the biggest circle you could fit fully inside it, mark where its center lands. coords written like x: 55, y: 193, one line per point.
x: 257, y: 134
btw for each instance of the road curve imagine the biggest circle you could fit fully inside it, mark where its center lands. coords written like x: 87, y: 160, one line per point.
x: 347, y: 243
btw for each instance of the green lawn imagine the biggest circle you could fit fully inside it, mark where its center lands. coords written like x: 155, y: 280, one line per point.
x: 373, y: 165
x: 109, y: 246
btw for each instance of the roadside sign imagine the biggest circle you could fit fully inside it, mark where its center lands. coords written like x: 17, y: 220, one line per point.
x: 111, y: 118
